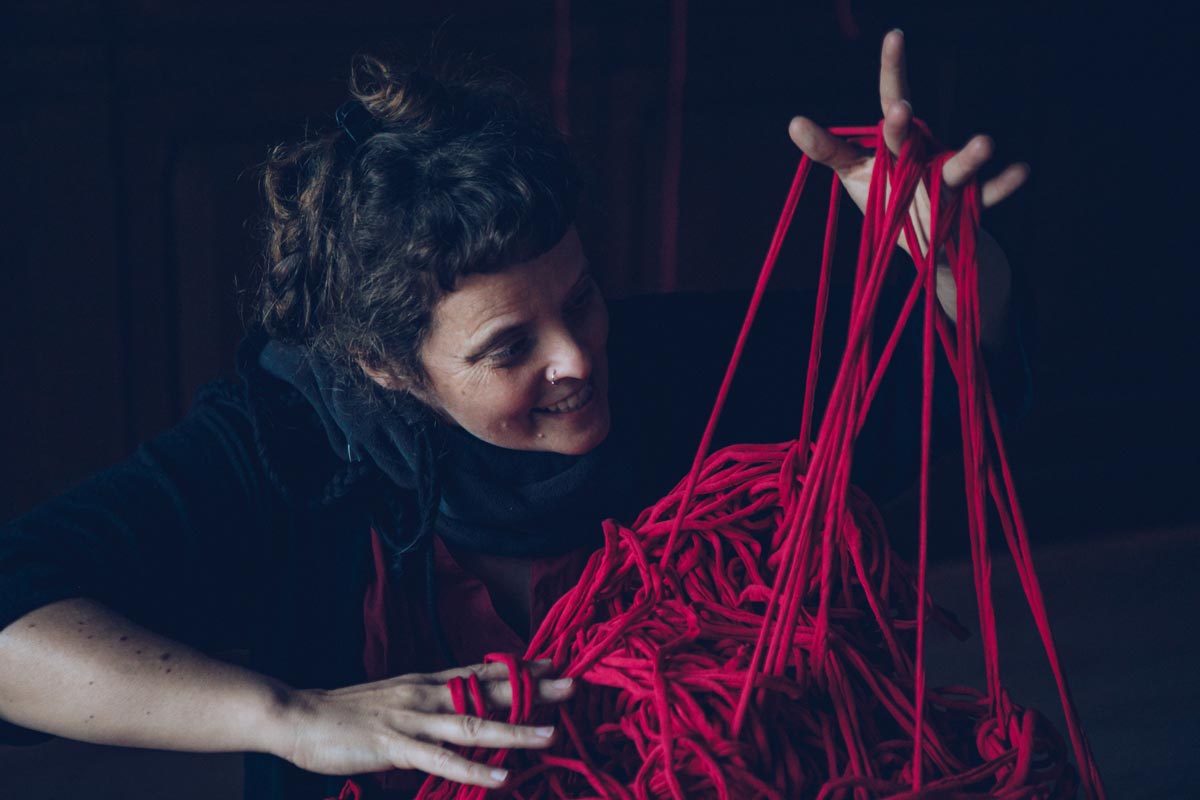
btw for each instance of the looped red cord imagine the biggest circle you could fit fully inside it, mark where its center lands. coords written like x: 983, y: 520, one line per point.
x: 460, y: 688
x: 752, y: 634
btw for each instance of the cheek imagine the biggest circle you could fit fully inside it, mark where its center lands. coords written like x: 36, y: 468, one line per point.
x: 505, y: 403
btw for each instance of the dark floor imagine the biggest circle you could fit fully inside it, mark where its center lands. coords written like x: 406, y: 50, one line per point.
x: 1122, y: 610
x: 1123, y: 613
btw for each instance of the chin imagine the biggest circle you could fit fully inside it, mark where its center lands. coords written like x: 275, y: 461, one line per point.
x: 583, y: 439
x: 588, y: 443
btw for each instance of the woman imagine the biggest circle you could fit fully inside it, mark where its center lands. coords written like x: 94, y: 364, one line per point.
x: 436, y: 410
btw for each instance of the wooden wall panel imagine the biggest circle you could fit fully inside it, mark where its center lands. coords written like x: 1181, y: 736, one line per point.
x: 61, y: 368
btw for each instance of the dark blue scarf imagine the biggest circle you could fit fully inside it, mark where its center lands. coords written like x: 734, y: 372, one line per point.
x: 488, y: 499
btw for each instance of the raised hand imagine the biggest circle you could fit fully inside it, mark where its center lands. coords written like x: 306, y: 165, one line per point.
x: 853, y: 165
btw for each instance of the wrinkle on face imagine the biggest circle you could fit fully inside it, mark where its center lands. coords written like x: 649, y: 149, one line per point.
x: 503, y: 402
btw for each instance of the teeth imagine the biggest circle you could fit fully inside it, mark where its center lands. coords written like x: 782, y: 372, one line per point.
x: 572, y: 403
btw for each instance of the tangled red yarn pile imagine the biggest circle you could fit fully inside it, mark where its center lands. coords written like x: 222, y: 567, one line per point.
x: 753, y: 635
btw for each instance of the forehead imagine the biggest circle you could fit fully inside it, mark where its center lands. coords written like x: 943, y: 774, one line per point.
x: 516, y: 294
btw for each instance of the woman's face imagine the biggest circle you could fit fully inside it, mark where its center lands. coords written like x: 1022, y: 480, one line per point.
x: 498, y: 341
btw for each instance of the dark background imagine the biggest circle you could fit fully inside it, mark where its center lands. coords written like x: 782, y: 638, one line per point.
x: 130, y: 133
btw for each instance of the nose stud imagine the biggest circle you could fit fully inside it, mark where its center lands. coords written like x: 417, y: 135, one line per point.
x: 554, y: 377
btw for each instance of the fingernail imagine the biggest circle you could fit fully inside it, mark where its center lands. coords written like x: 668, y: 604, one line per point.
x: 897, y: 30
x: 562, y: 683
x: 500, y: 775
x: 545, y: 733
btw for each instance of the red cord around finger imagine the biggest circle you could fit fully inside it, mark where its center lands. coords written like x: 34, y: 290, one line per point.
x: 458, y: 694
x: 476, y: 690
x: 518, y: 680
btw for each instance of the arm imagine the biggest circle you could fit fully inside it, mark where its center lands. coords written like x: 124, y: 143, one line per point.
x: 995, y: 292
x: 176, y: 536
x: 77, y: 669
x: 172, y: 536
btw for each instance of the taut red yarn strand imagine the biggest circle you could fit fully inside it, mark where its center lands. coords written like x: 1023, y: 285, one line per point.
x: 752, y: 634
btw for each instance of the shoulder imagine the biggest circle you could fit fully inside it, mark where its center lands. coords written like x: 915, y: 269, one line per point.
x: 285, y: 431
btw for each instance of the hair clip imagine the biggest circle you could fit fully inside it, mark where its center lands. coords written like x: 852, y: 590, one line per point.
x: 358, y: 123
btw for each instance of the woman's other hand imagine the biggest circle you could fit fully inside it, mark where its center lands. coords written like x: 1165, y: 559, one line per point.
x: 408, y: 722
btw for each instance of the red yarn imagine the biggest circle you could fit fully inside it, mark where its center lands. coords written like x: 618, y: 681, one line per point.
x: 752, y: 634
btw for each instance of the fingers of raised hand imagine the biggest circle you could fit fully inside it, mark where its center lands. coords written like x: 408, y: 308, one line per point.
x: 896, y: 120
x: 409, y: 753
x: 893, y: 71
x: 1004, y: 184
x: 822, y: 146
x: 965, y: 164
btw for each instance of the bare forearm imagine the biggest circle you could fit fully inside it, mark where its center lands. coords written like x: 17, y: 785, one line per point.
x: 995, y: 290
x: 79, y: 670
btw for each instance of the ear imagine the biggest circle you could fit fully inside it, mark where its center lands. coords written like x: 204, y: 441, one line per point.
x: 395, y: 383
x: 385, y: 379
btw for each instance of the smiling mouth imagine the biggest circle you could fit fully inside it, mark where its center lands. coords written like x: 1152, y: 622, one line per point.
x: 573, y: 403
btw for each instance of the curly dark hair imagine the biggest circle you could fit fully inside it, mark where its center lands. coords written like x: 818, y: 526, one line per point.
x: 453, y: 174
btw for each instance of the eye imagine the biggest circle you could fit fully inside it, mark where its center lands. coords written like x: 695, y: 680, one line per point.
x: 511, y: 354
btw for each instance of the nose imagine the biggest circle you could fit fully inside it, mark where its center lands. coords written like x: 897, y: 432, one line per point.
x: 567, y: 357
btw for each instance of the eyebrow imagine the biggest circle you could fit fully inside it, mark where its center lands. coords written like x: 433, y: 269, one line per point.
x: 510, y: 332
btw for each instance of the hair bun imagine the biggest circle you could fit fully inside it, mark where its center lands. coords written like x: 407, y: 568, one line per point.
x: 408, y: 97
x: 463, y: 173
